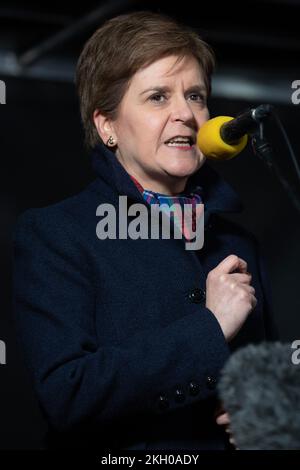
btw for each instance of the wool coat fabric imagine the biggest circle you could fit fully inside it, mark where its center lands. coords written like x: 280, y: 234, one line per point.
x: 122, y: 351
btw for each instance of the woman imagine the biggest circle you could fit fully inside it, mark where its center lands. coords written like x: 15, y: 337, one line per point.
x: 125, y: 336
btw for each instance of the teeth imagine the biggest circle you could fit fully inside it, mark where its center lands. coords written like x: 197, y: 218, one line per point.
x: 178, y: 144
x: 180, y: 140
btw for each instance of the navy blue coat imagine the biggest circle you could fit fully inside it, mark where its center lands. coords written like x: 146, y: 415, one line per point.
x: 121, y: 348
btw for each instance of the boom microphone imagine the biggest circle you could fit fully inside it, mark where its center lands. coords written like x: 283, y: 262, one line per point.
x: 259, y: 388
x: 224, y: 137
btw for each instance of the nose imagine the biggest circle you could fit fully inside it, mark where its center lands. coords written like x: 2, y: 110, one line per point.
x: 182, y: 111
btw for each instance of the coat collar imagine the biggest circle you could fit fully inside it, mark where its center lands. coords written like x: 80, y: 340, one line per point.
x: 217, y: 194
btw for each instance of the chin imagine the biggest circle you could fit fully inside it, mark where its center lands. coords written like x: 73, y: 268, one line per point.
x: 185, y: 168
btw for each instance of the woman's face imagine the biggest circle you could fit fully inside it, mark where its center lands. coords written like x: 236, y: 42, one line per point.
x: 164, y: 100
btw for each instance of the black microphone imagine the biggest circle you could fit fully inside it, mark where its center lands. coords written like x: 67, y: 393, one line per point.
x: 245, y: 123
x: 223, y: 137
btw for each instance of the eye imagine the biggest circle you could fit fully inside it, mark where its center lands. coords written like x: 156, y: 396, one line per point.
x: 198, y: 97
x: 158, y: 98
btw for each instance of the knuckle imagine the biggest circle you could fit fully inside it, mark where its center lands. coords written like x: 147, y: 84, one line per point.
x: 243, y: 295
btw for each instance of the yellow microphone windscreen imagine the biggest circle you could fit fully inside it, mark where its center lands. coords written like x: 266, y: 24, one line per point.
x: 212, y: 145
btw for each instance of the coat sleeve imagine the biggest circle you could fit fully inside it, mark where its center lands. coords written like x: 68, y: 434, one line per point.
x: 78, y: 380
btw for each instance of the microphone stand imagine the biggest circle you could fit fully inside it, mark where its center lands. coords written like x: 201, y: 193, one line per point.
x: 262, y: 148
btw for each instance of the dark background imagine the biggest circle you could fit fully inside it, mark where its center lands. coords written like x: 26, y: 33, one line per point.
x: 43, y: 160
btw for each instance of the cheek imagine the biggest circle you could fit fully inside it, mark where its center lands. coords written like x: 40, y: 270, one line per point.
x: 147, y: 135
x: 203, y: 118
x: 154, y: 125
x: 145, y: 128
x: 129, y: 136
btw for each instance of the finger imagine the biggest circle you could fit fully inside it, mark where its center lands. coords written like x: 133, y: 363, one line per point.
x: 251, y: 297
x: 249, y: 289
x: 241, y: 278
x: 243, y: 266
x: 231, y: 263
x: 223, y: 419
x: 253, y: 301
x: 234, y: 285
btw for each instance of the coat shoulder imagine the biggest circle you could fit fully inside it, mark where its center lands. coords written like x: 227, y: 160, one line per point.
x: 78, y: 209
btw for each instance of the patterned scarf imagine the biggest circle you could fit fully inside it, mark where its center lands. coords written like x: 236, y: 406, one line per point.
x: 193, y: 199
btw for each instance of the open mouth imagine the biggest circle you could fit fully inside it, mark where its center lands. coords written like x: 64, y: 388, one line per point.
x: 181, y: 141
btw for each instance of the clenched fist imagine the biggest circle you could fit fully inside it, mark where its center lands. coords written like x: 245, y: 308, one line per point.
x: 229, y: 294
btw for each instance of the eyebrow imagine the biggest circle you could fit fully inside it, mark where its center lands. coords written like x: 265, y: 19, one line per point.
x: 164, y: 89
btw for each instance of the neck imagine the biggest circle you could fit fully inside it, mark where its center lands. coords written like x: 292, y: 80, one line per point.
x: 171, y: 189
x: 165, y: 184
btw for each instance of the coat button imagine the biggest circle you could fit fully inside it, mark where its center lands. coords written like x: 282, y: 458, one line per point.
x: 179, y: 396
x: 211, y: 382
x: 197, y: 296
x: 163, y: 402
x: 194, y: 388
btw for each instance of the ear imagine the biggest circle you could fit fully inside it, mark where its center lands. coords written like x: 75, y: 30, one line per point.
x: 103, y: 125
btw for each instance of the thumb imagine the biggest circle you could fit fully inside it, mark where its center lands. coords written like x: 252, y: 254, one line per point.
x: 231, y: 263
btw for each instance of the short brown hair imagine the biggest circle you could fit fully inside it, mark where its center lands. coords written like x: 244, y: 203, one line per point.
x: 118, y: 49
